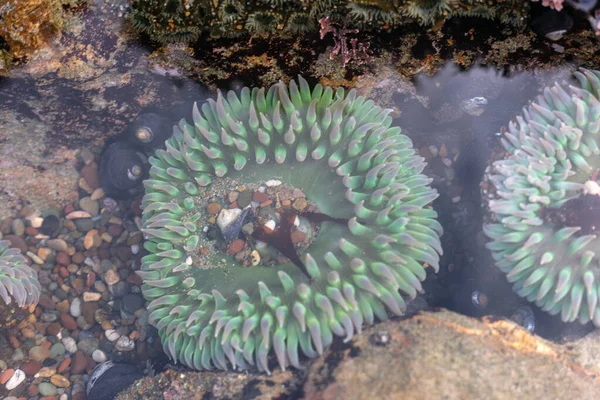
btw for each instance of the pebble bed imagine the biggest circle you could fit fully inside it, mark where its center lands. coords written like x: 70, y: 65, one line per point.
x: 91, y: 309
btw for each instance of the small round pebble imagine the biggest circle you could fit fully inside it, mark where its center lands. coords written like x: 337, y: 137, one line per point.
x: 47, y: 389
x: 70, y: 344
x: 99, y: 356
x: 75, y: 308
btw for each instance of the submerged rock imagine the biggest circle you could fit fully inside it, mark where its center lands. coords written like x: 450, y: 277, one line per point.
x: 430, y: 355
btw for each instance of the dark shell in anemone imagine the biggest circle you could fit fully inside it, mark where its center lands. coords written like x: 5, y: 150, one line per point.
x: 148, y: 132
x: 122, y: 170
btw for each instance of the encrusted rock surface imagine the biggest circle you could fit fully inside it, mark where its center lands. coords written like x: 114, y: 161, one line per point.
x: 431, y: 355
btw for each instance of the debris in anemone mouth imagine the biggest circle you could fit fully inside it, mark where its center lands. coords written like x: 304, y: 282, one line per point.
x: 358, y: 198
x: 543, y: 203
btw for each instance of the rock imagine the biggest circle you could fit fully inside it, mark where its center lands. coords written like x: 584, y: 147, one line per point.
x: 244, y: 198
x: 97, y: 194
x: 124, y: 344
x: 68, y: 322
x: 70, y: 344
x: 430, y: 355
x: 132, y: 302
x: 91, y: 296
x: 259, y: 197
x: 63, y: 258
x: 50, y: 224
x: 236, y: 246
x: 273, y: 183
x: 92, y: 239
x: 212, y: 208
x: 18, y: 227
x: 60, y: 381
x: 46, y: 302
x: 99, y: 356
x: 90, y: 174
x: 31, y: 367
x: 75, y: 307
x: 39, y: 353
x: 227, y: 217
x: 6, y: 375
x: 15, y: 380
x: 46, y: 372
x: 16, y: 242
x: 112, y: 335
x: 90, y: 206
x: 79, y: 363
x: 299, y: 204
x: 111, y: 277
x: 47, y: 389
x: 57, y: 244
x: 108, y: 379
x: 78, y: 215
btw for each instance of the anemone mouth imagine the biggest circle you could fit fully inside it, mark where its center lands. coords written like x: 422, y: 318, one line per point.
x: 543, y: 201
x: 18, y: 281
x: 375, y: 233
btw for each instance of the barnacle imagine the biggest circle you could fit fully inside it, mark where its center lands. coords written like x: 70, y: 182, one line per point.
x: 543, y: 201
x: 18, y: 281
x: 377, y: 233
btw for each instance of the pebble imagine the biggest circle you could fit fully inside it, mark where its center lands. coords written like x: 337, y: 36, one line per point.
x: 112, y: 335
x: 57, y: 244
x: 46, y: 372
x: 255, y: 258
x: 6, y: 375
x: 213, y: 208
x: 60, y: 381
x: 227, y: 217
x: 236, y: 246
x: 124, y: 344
x: 15, y: 380
x: 99, y: 356
x: 47, y: 389
x: 299, y: 204
x: 273, y: 183
x: 97, y: 194
x: 91, y: 296
x: 50, y: 224
x: 18, y: 227
x: 35, y: 258
x: 79, y: 363
x: 111, y: 277
x: 92, y: 239
x: 244, y: 198
x: 78, y: 215
x: 298, y: 237
x: 70, y: 344
x: 68, y: 322
x: 39, y: 353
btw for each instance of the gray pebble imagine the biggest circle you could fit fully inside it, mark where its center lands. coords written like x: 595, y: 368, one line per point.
x: 47, y: 389
x: 18, y: 355
x: 50, y: 316
x: 87, y: 346
x: 18, y: 227
x: 132, y: 302
x: 75, y: 308
x: 57, y: 349
x: 84, y: 224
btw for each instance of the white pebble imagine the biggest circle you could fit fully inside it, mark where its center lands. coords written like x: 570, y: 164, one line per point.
x: 111, y: 334
x: 124, y: 344
x: 70, y: 344
x: 271, y: 225
x: 98, y: 356
x: 189, y: 260
x: 75, y: 308
x: 227, y: 216
x: 135, y: 248
x: 296, y: 221
x: 91, y: 296
x: 273, y: 183
x: 15, y: 380
x: 591, y: 187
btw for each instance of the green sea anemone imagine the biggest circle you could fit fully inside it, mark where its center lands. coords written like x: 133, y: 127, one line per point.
x: 544, y: 201
x: 375, y: 238
x: 18, y: 281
